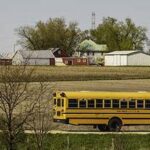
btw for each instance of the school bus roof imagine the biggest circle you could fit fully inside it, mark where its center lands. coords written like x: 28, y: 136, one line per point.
x: 96, y: 95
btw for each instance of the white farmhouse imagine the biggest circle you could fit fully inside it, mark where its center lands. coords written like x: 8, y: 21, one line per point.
x: 127, y: 58
x: 36, y: 57
x: 91, y: 50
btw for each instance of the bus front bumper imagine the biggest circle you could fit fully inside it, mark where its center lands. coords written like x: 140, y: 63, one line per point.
x: 65, y: 121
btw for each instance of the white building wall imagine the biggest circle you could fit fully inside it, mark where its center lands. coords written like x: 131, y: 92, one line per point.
x: 109, y: 60
x: 17, y: 59
x: 115, y: 60
x: 38, y: 61
x: 123, y: 60
x: 138, y: 59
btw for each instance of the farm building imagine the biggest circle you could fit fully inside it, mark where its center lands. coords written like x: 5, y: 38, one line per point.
x: 92, y: 51
x: 5, y: 60
x: 38, y: 57
x: 57, y: 52
x: 127, y: 58
x: 75, y: 61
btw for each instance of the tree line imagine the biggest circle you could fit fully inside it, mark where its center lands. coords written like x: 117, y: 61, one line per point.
x: 118, y: 35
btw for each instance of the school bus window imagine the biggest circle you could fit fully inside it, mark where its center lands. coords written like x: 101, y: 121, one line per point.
x: 107, y: 103
x: 99, y: 103
x: 147, y: 104
x: 115, y: 103
x: 123, y: 104
x: 58, y: 102
x: 82, y: 104
x: 91, y: 103
x: 72, y: 103
x: 54, y: 101
x: 140, y: 104
x: 132, y: 104
x: 62, y: 101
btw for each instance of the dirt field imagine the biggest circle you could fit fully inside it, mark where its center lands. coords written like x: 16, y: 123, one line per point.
x: 104, y: 85
x: 82, y: 73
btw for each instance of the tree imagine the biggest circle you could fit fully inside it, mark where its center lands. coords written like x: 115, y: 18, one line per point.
x: 120, y: 35
x: 18, y: 99
x: 40, y: 121
x: 51, y: 34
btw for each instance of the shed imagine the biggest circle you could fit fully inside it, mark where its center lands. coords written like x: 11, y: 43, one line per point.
x: 127, y: 58
x: 58, y: 53
x: 36, y: 57
x: 5, y: 60
x: 75, y: 61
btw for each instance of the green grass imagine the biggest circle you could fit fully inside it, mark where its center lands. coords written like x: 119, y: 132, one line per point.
x: 88, y: 142
x: 84, y: 73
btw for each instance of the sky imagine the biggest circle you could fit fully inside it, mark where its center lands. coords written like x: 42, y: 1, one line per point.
x: 16, y: 13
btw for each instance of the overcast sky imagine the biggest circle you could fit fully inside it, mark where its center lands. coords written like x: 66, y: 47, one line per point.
x: 16, y: 13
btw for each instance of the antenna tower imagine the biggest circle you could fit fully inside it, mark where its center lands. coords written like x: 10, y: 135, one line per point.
x: 93, y: 20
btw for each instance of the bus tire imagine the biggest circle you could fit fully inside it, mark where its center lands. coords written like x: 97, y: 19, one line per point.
x: 103, y: 127
x: 114, y: 125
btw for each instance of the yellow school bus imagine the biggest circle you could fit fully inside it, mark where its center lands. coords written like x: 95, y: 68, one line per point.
x: 108, y: 111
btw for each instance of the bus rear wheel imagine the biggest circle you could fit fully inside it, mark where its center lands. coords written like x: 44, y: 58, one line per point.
x: 115, y: 125
x: 103, y: 127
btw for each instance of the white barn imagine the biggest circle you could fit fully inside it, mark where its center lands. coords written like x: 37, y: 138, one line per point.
x: 127, y: 58
x: 37, y: 57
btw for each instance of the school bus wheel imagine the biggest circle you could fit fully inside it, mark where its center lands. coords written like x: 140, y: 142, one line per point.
x: 114, y: 124
x: 103, y: 127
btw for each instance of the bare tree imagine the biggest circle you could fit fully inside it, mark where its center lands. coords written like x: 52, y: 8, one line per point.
x: 18, y: 99
x: 41, y: 120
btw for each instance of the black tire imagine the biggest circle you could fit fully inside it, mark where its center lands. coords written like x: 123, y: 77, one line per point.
x: 114, y: 125
x: 103, y: 127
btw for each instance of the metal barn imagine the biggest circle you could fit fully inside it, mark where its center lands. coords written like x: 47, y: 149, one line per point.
x: 37, y: 57
x: 127, y: 58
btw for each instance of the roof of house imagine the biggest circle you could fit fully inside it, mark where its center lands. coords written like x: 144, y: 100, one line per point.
x: 36, y: 54
x: 54, y: 49
x: 87, y: 45
x: 127, y: 52
x: 9, y: 55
